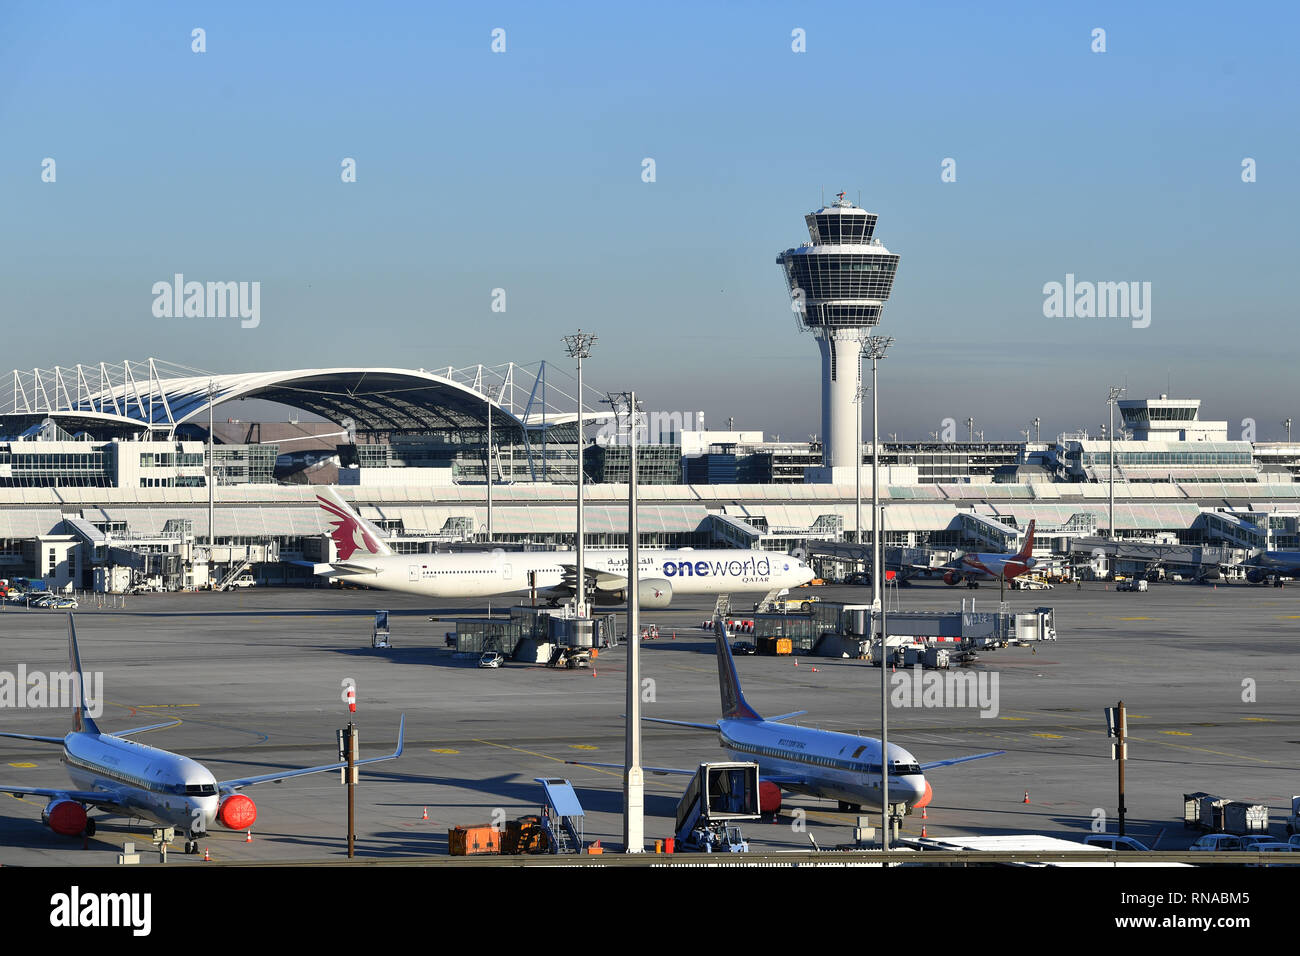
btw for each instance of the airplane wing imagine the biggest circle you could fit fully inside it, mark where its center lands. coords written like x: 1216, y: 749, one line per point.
x: 343, y: 567
x: 600, y: 580
x: 44, y: 740
x: 947, y: 763
x: 99, y: 798
x: 229, y: 786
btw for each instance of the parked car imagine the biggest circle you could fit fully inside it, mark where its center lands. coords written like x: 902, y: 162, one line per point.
x: 743, y: 647
x: 1134, y: 584
x: 1217, y: 841
x: 1108, y: 841
x: 491, y: 659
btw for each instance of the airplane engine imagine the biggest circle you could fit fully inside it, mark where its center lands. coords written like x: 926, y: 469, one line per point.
x: 951, y: 577
x: 1256, y: 576
x: 655, y: 593
x: 769, y: 797
x: 65, y: 817
x: 237, y: 812
x: 925, y: 798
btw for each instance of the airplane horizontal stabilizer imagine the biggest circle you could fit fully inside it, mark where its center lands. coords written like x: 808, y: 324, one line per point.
x: 140, y: 730
x: 44, y: 740
x: 229, y: 786
x: 793, y: 713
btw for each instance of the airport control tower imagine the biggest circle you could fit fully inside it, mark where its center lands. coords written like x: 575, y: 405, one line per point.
x: 839, y: 283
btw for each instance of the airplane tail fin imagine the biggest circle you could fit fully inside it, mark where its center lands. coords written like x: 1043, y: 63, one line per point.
x: 734, y: 705
x: 1028, y: 549
x: 81, y: 719
x: 352, y: 533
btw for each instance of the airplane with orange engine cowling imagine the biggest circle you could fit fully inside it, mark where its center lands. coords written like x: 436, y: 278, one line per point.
x: 975, y: 567
x: 124, y: 778
x: 819, y: 763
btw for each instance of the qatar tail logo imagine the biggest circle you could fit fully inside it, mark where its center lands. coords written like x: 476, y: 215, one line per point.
x: 348, y: 534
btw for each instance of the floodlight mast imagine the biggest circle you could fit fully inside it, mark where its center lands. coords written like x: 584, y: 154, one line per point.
x: 579, y: 346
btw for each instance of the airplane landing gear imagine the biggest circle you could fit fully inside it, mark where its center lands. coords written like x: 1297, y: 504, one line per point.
x: 90, y: 828
x: 846, y: 807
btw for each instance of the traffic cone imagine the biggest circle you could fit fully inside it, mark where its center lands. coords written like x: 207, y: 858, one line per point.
x: 796, y: 662
x: 924, y: 815
x: 426, y: 814
x: 207, y: 855
x: 249, y: 838
x: 922, y: 831
x: 674, y: 635
x: 1026, y: 796
x: 593, y: 672
x: 816, y: 671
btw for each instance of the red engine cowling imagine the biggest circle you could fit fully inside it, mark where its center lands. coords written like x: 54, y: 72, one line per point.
x: 237, y: 812
x: 925, y: 798
x: 951, y: 578
x: 769, y: 797
x: 65, y: 817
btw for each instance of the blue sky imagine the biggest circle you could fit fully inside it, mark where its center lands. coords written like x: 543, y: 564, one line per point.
x: 522, y: 171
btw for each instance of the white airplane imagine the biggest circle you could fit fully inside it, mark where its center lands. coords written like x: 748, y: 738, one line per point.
x: 820, y: 763
x: 365, y: 558
x: 130, y: 779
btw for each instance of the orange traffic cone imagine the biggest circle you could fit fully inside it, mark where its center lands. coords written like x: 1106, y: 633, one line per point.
x: 249, y: 838
x: 1026, y: 796
x: 922, y: 831
x: 426, y: 814
x: 816, y: 671
x: 796, y: 662
x: 207, y: 855
x: 924, y: 815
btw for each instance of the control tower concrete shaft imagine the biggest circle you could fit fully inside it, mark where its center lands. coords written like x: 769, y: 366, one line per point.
x: 839, y: 283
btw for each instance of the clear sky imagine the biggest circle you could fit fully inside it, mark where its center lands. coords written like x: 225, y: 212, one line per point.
x: 522, y: 171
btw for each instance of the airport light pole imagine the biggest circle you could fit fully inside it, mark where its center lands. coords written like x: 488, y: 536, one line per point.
x: 212, y: 470
x: 858, y: 398
x: 878, y: 523
x: 1112, y: 400
x: 489, y: 471
x: 970, y: 423
x: 1287, y: 423
x: 1037, y: 434
x: 873, y: 347
x: 579, y: 346
x: 633, y: 775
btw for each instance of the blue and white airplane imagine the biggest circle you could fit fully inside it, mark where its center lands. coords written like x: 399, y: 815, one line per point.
x: 124, y: 778
x: 819, y: 763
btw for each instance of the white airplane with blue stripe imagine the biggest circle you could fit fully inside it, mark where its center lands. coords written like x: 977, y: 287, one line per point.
x: 819, y: 763
x: 124, y: 778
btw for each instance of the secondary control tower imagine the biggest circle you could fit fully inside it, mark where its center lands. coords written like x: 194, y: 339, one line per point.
x: 839, y: 283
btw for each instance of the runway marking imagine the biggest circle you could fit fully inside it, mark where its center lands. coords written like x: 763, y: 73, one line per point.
x: 22, y: 765
x: 582, y: 747
x: 1176, y: 733
x: 1135, y: 619
x: 1005, y: 718
x: 1260, y: 720
x: 533, y: 753
x: 442, y: 750
x: 1049, y: 736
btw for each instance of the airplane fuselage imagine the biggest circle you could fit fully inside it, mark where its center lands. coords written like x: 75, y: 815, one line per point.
x: 717, y: 571
x: 156, y: 785
x: 832, y: 765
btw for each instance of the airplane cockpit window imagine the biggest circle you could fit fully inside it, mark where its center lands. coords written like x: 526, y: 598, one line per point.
x: 906, y: 769
x: 200, y: 790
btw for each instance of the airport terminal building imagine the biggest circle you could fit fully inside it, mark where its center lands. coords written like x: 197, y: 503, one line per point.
x: 104, y: 476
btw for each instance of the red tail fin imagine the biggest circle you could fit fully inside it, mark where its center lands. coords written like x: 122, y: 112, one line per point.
x: 1028, y: 550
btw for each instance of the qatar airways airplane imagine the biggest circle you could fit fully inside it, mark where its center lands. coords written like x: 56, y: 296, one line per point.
x: 129, y: 779
x: 820, y: 763
x: 363, y: 557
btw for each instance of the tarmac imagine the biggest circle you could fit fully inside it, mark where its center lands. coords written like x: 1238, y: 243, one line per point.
x: 255, y: 678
